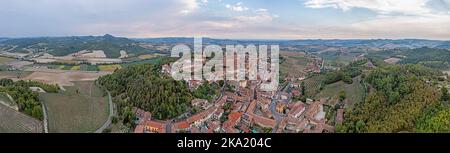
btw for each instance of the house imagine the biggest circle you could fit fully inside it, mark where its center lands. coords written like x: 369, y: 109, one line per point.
x: 213, y: 126
x: 182, y: 126
x: 297, y: 110
x: 264, y: 122
x: 296, y: 93
x: 264, y: 103
x: 202, y: 103
x: 339, y: 116
x: 251, y: 107
x: 201, y: 117
x: 233, y: 119
x: 141, y: 115
x: 315, y: 110
x: 154, y: 127
x: 217, y: 114
x: 139, y: 129
x: 247, y: 119
x: 195, y: 130
x: 296, y: 125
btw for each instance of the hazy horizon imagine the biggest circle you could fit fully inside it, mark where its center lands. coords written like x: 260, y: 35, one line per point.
x: 226, y: 38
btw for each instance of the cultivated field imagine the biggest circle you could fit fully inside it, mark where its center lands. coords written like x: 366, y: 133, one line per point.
x: 12, y: 121
x: 81, y: 108
x: 62, y: 77
x: 313, y: 85
x: 148, y: 56
x: 5, y: 59
x: 294, y: 65
x: 7, y: 100
x: 14, y: 75
x: 109, y: 67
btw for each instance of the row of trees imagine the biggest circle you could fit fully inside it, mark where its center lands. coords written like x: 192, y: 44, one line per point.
x: 27, y: 84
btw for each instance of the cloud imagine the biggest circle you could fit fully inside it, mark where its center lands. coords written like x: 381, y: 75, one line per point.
x: 189, y: 6
x: 427, y: 26
x: 237, y: 7
x: 394, y: 18
x: 408, y: 7
x: 261, y: 16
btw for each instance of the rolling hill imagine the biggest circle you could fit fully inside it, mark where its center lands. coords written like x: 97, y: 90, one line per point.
x: 60, y: 46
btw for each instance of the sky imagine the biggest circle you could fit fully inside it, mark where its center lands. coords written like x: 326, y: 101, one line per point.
x: 240, y: 19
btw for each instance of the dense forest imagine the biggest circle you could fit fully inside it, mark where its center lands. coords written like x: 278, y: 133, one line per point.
x: 144, y: 87
x: 399, y: 97
x: 27, y: 101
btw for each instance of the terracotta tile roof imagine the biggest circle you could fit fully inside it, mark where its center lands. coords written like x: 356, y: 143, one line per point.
x: 233, y: 118
x: 139, y: 129
x: 264, y: 121
x: 201, y: 115
x: 313, y: 109
x: 251, y: 107
x: 195, y: 130
x: 181, y: 125
x: 297, y: 109
x: 160, y: 126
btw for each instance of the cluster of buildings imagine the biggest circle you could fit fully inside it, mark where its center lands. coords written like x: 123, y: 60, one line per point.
x: 251, y: 111
x: 248, y: 110
x: 315, y: 66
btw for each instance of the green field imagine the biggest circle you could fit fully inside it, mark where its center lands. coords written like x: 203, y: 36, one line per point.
x: 81, y: 108
x: 5, y: 59
x: 354, y: 92
x: 112, y: 67
x: 151, y: 60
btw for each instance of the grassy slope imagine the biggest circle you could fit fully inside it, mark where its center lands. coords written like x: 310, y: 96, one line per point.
x: 12, y: 121
x: 354, y: 92
x: 70, y: 111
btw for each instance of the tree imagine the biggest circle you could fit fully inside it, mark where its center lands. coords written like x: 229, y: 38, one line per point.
x: 114, y: 120
x: 445, y: 95
x: 342, y: 95
x: 360, y: 126
x: 303, y: 88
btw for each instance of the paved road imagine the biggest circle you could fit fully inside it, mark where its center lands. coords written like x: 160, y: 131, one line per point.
x: 277, y: 116
x: 111, y: 114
